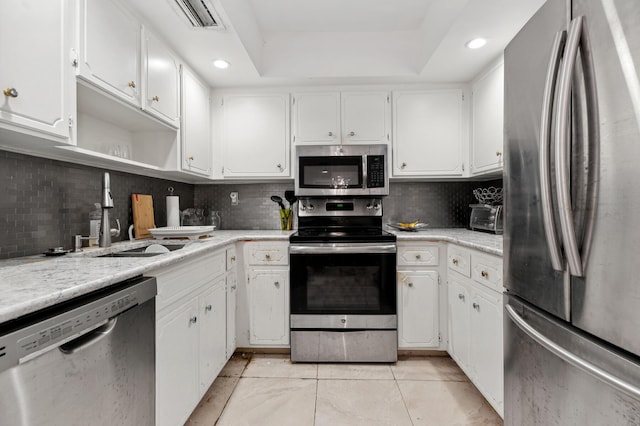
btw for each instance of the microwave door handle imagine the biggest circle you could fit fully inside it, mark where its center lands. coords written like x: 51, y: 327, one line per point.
x: 550, y: 227
x: 593, y: 129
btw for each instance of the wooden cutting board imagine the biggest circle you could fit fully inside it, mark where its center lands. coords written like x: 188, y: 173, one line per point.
x: 142, y: 206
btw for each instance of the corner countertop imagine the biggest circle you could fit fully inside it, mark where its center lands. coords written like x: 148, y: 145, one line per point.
x: 32, y: 283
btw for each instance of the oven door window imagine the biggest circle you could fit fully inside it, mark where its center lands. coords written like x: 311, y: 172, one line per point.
x: 330, y: 172
x: 343, y: 284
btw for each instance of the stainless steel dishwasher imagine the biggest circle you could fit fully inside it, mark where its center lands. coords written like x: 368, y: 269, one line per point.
x: 87, y: 361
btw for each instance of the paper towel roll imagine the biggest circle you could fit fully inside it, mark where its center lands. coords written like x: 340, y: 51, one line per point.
x: 173, y: 210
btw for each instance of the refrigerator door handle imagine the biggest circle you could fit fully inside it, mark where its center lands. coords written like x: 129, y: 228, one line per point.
x: 550, y: 227
x: 571, y: 358
x: 563, y: 175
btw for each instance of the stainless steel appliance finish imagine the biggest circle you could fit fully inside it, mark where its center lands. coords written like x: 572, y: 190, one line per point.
x: 342, y: 285
x: 486, y: 218
x: 341, y: 170
x: 90, y: 360
x: 572, y: 122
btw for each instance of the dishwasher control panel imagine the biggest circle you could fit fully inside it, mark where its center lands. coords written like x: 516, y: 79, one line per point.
x: 57, y: 327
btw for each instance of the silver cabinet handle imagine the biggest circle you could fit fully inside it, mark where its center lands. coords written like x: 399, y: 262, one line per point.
x: 276, y: 283
x: 410, y: 284
x: 571, y: 358
x: 279, y: 165
x: 233, y: 287
x: 418, y: 256
x: 208, y: 308
x: 461, y: 296
x: 193, y: 320
x: 544, y: 164
x: 563, y: 175
x: 352, y: 133
x: 403, y: 165
x: 267, y: 256
x: 330, y: 133
x: 476, y: 306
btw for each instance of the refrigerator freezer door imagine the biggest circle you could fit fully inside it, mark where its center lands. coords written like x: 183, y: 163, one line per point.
x: 528, y: 267
x: 543, y: 388
x: 606, y: 302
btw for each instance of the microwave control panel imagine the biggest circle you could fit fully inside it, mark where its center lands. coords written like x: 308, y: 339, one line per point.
x: 375, y: 171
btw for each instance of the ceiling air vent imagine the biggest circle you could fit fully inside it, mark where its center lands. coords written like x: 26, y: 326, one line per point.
x: 200, y: 13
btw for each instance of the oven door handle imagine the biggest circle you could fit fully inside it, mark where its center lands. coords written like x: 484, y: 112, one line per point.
x: 342, y: 248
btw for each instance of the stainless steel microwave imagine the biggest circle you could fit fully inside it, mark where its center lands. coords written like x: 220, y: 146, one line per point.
x: 341, y: 170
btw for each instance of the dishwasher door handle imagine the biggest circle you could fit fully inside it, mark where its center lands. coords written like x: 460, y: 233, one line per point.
x: 90, y: 338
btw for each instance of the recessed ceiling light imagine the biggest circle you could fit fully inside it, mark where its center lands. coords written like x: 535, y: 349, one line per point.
x: 476, y: 43
x: 221, y: 63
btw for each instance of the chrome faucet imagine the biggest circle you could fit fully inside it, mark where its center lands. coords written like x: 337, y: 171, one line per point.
x: 106, y: 232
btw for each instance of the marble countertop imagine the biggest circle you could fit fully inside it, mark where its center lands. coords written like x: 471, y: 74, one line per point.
x: 36, y: 282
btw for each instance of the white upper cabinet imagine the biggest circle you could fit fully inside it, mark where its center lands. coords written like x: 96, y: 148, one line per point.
x: 255, y: 136
x: 428, y: 133
x: 162, y: 76
x: 366, y: 117
x: 196, y: 124
x: 110, y: 49
x: 36, y: 74
x: 488, y: 121
x: 316, y: 118
x: 341, y: 118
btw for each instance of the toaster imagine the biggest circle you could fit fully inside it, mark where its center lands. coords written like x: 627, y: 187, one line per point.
x: 486, y: 217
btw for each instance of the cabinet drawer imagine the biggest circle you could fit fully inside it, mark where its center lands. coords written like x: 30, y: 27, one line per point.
x: 267, y: 254
x: 231, y: 258
x: 487, y: 270
x: 176, y: 281
x: 419, y: 255
x: 459, y: 260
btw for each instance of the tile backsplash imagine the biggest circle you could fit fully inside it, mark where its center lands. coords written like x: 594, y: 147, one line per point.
x: 45, y: 202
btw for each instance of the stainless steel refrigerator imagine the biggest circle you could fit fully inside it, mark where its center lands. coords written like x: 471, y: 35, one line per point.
x: 572, y: 221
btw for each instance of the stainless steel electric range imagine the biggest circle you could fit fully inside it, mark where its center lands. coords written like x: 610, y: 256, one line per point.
x: 343, y: 283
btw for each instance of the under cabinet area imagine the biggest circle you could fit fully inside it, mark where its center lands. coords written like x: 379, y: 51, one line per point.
x: 191, y: 329
x: 418, y: 295
x: 428, y: 133
x: 341, y: 117
x: 475, y: 319
x: 267, y: 274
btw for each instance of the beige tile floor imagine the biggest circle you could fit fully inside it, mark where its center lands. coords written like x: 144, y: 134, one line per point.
x: 270, y: 390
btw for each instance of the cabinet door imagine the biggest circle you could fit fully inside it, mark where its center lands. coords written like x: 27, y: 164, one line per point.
x: 110, y: 53
x: 488, y: 121
x: 486, y: 344
x: 34, y: 46
x: 316, y: 118
x: 256, y: 136
x: 162, y: 76
x: 366, y: 117
x: 177, y: 337
x: 232, y: 295
x: 459, y: 326
x: 418, y: 325
x: 213, y: 341
x: 196, y: 129
x: 428, y: 133
x: 268, y: 307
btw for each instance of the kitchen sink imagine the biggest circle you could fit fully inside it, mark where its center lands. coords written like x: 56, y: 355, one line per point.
x: 141, y: 251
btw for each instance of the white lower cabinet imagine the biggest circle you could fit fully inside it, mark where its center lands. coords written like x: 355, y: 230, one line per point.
x: 475, y: 323
x: 232, y: 298
x: 267, y: 293
x: 418, y: 293
x: 191, y: 330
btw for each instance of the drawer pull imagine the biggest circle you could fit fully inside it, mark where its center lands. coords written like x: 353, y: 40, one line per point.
x: 267, y: 256
x: 156, y: 98
x: 461, y: 296
x: 208, y: 308
x: 476, y: 306
x: 132, y: 84
x: 233, y: 287
x: 233, y: 258
x: 277, y: 284
x: 418, y: 256
x: 455, y: 261
x: 410, y: 284
x: 484, y: 274
x: 10, y: 92
x: 193, y: 320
